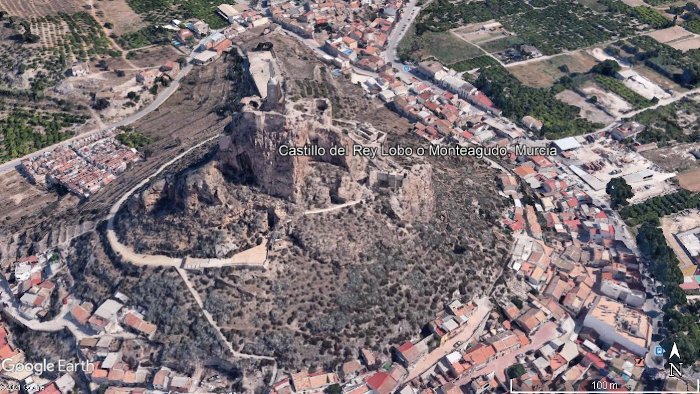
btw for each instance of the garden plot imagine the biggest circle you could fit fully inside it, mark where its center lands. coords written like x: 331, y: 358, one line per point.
x: 588, y: 111
x: 610, y: 102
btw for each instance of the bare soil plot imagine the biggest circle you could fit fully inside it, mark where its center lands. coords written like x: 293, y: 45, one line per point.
x: 545, y: 72
x: 686, y: 44
x: 588, y: 110
x: 634, y: 3
x: 679, y: 223
x: 690, y: 180
x: 31, y: 8
x: 477, y: 33
x: 612, y: 103
x: 671, y: 34
x: 676, y: 158
x: 120, y: 15
x: 153, y: 57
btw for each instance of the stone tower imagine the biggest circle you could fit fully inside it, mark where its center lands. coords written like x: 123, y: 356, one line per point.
x: 275, y: 95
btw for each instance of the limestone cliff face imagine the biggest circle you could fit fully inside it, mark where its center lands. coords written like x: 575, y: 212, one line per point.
x: 251, y: 149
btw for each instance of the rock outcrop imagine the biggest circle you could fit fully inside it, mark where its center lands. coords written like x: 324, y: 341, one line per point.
x: 251, y: 151
x: 415, y: 198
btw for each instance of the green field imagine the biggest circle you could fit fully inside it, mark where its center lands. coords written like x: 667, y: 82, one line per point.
x: 443, y: 46
x: 477, y: 62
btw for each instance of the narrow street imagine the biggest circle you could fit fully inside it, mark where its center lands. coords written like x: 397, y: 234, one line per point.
x: 464, y: 337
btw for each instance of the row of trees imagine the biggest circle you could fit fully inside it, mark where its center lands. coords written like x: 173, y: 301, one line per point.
x: 657, y: 207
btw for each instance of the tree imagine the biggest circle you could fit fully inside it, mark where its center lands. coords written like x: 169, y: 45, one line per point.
x: 619, y: 191
x: 608, y: 67
x: 333, y: 389
x: 101, y: 104
x: 515, y: 371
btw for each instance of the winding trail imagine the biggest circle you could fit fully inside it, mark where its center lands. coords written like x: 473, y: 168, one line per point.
x: 217, y: 329
x: 333, y: 208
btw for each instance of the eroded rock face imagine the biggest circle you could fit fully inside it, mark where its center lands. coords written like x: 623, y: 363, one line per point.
x: 189, y: 192
x: 251, y: 151
x: 415, y: 198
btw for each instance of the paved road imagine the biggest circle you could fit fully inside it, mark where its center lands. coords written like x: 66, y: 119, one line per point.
x: 154, y: 105
x: 124, y: 250
x: 409, y: 13
x: 11, y: 306
x: 467, y: 334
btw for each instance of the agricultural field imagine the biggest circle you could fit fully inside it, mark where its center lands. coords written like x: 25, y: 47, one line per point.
x: 480, y: 33
x: 615, y: 86
x: 677, y: 37
x: 553, y: 29
x: 477, y: 62
x: 163, y: 11
x: 443, y: 46
x: 659, y: 206
x: 644, y: 14
x: 544, y: 73
x: 518, y: 100
x: 501, y: 44
x: 681, y: 67
x: 118, y: 13
x: 611, y: 102
x: 59, y: 42
x: 30, y: 9
x: 150, y: 35
x: 549, y: 26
